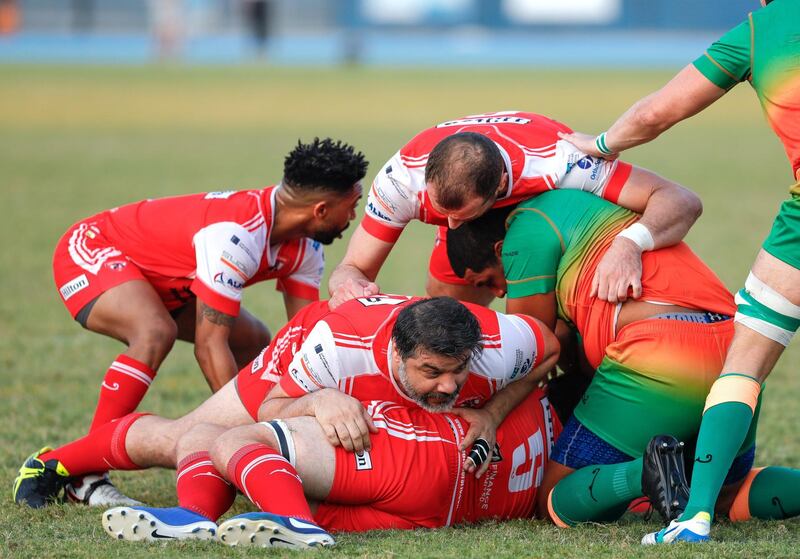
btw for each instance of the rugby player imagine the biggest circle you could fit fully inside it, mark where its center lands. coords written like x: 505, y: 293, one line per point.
x: 154, y: 271
x: 764, y: 51
x: 411, y: 475
x: 655, y: 358
x: 457, y: 170
x: 433, y: 353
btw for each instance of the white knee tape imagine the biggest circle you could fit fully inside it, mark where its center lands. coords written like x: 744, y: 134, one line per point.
x: 770, y: 298
x: 284, y: 437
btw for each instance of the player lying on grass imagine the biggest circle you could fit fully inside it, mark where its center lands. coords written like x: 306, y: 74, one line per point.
x: 435, y: 353
x: 411, y: 477
x: 655, y: 358
x: 456, y: 171
x: 154, y: 271
x: 764, y: 51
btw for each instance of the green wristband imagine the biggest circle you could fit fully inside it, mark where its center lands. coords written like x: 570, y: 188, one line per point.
x: 600, y: 143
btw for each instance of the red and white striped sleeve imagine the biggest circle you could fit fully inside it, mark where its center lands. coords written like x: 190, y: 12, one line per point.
x: 392, y: 201
x: 572, y: 168
x: 511, y: 350
x: 305, y: 279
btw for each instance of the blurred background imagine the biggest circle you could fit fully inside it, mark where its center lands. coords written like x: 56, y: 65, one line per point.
x: 407, y: 32
x: 106, y: 102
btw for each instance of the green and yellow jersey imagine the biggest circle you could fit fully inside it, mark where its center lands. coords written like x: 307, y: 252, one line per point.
x: 765, y: 49
x: 554, y: 243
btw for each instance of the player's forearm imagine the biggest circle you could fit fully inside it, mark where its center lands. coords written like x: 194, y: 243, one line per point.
x: 670, y: 213
x: 506, y: 399
x: 284, y: 408
x: 641, y: 123
x: 216, y: 361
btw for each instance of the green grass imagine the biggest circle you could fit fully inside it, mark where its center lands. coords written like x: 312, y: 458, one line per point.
x: 77, y: 140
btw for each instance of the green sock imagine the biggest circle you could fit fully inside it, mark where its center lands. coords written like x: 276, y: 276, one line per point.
x: 721, y: 435
x: 775, y: 494
x: 597, y: 493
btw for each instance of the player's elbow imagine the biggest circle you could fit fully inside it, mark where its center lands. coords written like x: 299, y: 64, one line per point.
x: 652, y: 116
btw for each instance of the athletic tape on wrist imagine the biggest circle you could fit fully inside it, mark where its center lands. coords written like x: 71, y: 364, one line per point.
x: 640, y: 235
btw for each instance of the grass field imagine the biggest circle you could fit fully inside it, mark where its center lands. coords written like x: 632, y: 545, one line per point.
x: 77, y: 140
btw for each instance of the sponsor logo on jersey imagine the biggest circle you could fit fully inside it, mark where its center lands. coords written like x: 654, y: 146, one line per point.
x: 228, y: 281
x: 585, y: 163
x: 387, y: 203
x: 306, y: 362
x: 299, y: 380
x: 488, y: 485
x: 316, y: 245
x: 485, y: 120
x: 363, y: 460
x: 376, y: 212
x: 72, y: 287
x: 220, y: 195
x: 239, y: 266
x: 321, y: 354
x: 258, y: 362
x: 116, y: 265
x: 521, y: 365
x: 238, y: 242
x: 396, y: 184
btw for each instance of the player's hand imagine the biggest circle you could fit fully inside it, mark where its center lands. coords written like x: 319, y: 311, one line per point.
x: 353, y: 288
x: 479, y: 441
x: 619, y: 271
x: 585, y: 143
x: 344, y: 420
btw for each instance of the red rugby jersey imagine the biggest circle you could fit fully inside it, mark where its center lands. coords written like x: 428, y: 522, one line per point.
x: 536, y: 161
x: 219, y: 242
x: 349, y: 350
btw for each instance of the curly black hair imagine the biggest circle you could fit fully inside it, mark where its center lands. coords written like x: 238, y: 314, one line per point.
x: 324, y: 165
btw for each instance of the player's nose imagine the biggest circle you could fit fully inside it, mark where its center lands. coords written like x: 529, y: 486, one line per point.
x: 447, y: 384
x: 454, y: 223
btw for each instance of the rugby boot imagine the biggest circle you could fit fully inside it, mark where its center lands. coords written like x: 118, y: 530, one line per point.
x: 694, y: 530
x: 262, y: 529
x: 664, y: 477
x: 97, y: 491
x: 39, y: 483
x: 140, y: 524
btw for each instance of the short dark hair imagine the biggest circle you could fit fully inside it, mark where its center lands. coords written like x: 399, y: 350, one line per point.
x: 440, y: 325
x: 472, y: 244
x: 324, y: 165
x: 464, y: 164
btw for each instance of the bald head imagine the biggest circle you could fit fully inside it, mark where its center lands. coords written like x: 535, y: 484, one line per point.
x: 464, y: 166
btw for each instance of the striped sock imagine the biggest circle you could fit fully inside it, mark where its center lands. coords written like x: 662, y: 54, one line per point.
x: 123, y: 387
x: 269, y: 481
x: 201, y: 488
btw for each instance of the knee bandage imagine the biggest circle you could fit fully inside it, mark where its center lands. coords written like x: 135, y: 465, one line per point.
x: 284, y: 438
x: 761, y: 308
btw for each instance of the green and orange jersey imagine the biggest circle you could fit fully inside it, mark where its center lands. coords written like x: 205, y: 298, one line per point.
x: 765, y: 49
x: 554, y: 243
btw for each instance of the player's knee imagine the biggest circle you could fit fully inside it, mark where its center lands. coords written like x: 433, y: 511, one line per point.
x: 155, y: 338
x: 226, y: 445
x: 197, y: 439
x: 764, y: 310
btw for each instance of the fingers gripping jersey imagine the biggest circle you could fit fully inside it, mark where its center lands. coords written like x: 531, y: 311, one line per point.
x: 536, y: 161
x: 212, y: 244
x: 349, y: 350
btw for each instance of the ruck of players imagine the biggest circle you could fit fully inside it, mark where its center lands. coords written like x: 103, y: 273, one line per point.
x: 618, y: 375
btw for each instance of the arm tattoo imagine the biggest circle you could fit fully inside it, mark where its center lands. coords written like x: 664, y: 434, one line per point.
x: 214, y: 316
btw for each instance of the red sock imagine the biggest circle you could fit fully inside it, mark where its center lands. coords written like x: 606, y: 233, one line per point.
x: 270, y: 481
x: 101, y: 450
x: 123, y: 387
x: 201, y: 488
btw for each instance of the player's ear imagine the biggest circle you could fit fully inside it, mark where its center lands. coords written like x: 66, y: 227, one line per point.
x: 498, y: 249
x: 320, y: 209
x: 503, y: 186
